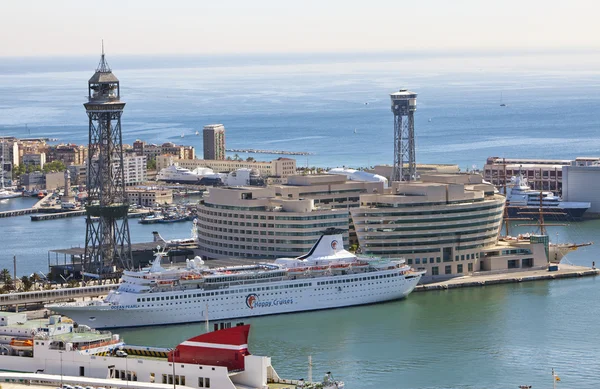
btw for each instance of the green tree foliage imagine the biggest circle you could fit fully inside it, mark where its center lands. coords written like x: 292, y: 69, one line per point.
x: 54, y: 166
x: 151, y: 165
x: 27, y: 284
x: 250, y: 159
x: 5, y: 276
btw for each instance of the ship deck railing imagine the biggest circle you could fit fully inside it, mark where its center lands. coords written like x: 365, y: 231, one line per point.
x: 62, y: 294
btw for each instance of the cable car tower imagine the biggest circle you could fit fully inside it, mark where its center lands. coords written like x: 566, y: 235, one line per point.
x: 404, y: 104
x: 107, y: 240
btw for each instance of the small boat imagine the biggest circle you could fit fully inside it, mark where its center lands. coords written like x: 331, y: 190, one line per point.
x: 197, y: 133
x: 355, y: 131
x: 182, y: 135
x: 151, y: 219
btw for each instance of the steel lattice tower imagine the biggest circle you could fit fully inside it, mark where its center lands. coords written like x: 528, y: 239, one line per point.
x: 404, y: 104
x: 107, y: 240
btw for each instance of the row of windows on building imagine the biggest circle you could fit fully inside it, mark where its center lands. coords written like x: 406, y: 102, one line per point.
x: 428, y: 221
x: 458, y: 239
x: 254, y: 240
x: 393, y: 253
x: 430, y: 235
x: 462, y: 257
x: 341, y: 223
x: 439, y: 211
x: 435, y: 270
x: 267, y: 225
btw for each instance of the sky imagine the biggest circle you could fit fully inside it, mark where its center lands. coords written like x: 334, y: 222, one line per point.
x: 76, y: 27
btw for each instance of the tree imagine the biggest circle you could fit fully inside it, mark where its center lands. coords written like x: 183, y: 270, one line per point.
x: 151, y: 165
x: 27, y: 284
x: 5, y: 276
x: 250, y: 159
x: 237, y: 158
x: 54, y: 166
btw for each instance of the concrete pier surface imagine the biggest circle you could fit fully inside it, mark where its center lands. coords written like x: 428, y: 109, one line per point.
x: 564, y: 271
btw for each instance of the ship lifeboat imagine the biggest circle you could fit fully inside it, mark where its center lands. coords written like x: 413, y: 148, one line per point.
x: 165, y: 282
x: 190, y: 277
x: 360, y: 264
x: 317, y: 269
x: 339, y: 267
x: 296, y: 271
x: 17, y: 344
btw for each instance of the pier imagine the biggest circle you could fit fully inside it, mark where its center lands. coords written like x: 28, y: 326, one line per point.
x: 565, y: 271
x: 257, y: 151
x: 57, y: 215
x: 18, y: 212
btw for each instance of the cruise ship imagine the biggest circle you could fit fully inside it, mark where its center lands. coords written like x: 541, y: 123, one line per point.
x: 178, y: 174
x: 58, y: 346
x: 327, y: 277
x: 522, y: 201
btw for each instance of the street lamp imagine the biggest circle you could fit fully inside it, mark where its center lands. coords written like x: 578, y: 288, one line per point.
x: 61, y: 370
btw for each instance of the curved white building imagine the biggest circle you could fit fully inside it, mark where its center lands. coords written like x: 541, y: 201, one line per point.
x: 442, y: 227
x: 247, y: 222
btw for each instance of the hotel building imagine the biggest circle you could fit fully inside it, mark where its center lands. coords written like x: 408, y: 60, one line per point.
x: 447, y: 225
x: 277, y: 221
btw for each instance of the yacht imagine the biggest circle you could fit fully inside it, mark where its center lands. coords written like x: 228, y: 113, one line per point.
x: 522, y: 201
x: 326, y: 277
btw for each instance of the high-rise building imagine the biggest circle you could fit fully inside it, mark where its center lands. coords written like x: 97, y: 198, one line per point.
x: 214, y: 142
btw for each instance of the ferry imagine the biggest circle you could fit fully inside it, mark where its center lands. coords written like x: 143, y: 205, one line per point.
x: 522, y: 201
x: 58, y: 346
x: 327, y: 277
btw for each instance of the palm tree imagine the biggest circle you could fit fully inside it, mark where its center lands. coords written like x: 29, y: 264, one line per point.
x: 27, y: 284
x: 5, y: 276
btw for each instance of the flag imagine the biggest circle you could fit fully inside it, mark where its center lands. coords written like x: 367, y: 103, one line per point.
x: 557, y: 378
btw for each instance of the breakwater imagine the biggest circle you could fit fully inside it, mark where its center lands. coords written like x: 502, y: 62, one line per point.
x: 257, y: 151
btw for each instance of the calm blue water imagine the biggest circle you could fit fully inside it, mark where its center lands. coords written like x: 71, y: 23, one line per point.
x: 314, y: 104
x: 492, y: 337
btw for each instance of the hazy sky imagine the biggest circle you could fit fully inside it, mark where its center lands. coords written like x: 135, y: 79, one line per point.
x: 73, y: 27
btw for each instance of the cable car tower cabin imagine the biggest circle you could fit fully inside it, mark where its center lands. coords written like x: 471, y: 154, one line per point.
x: 107, y: 240
x: 404, y: 104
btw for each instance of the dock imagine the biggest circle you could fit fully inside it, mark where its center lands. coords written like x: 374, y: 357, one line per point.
x: 565, y: 271
x: 57, y: 215
x: 18, y: 212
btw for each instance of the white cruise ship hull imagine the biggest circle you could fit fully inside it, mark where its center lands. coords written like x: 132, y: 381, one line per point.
x: 193, y: 305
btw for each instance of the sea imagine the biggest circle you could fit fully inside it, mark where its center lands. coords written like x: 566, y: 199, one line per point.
x: 337, y: 107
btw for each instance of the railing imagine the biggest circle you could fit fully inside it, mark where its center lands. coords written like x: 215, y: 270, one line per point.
x: 54, y: 294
